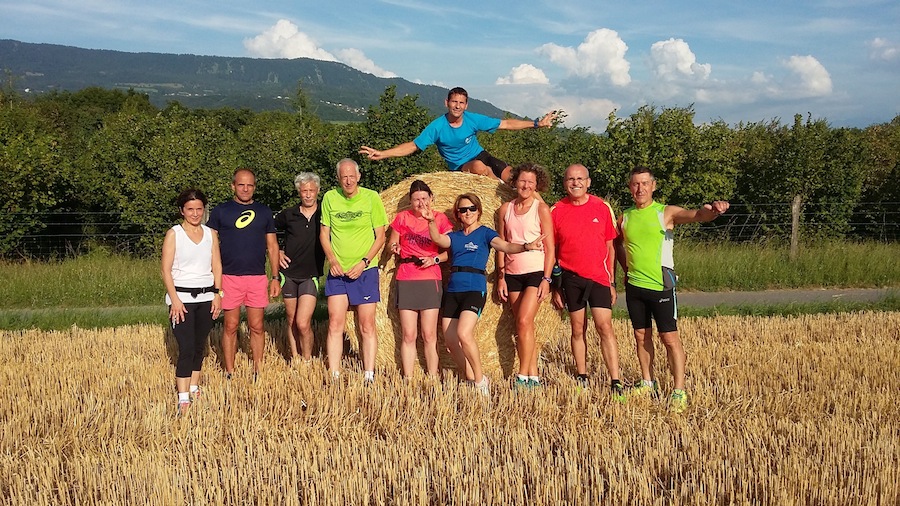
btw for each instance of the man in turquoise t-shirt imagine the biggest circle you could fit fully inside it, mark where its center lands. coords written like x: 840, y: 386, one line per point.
x: 353, y: 227
x: 644, y: 249
x: 454, y: 134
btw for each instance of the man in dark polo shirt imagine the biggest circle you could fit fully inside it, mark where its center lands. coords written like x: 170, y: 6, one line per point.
x: 302, y: 263
x: 246, y: 232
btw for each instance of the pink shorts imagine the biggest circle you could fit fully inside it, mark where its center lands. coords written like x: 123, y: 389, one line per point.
x: 249, y: 291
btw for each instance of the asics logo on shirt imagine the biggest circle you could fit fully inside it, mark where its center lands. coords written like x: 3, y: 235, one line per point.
x: 471, y: 246
x: 245, y: 218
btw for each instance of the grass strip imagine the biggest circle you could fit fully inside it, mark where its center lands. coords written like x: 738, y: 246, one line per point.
x: 64, y: 318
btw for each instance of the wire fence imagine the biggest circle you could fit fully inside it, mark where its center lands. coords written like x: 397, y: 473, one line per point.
x: 60, y: 234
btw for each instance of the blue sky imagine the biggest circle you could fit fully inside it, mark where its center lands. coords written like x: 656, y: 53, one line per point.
x: 735, y: 61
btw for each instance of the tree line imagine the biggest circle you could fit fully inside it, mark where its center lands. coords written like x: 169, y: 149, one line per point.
x: 112, y: 153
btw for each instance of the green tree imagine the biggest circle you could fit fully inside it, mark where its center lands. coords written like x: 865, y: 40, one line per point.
x: 32, y: 167
x: 394, y: 121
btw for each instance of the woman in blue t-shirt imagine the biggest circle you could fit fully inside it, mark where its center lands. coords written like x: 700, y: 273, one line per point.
x: 466, y: 293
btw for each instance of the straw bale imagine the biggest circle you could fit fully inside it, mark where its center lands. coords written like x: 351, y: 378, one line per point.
x: 495, y: 331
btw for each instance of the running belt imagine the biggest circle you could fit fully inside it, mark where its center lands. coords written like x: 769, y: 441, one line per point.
x: 463, y: 268
x: 196, y: 291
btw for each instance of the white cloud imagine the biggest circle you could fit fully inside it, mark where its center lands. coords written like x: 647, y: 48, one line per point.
x: 592, y: 112
x: 884, y: 50
x: 808, y: 77
x: 673, y: 60
x: 358, y: 60
x: 285, y: 40
x: 536, y: 100
x: 601, y: 54
x: 524, y: 74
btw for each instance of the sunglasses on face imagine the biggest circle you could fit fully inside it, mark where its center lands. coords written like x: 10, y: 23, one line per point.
x: 463, y: 210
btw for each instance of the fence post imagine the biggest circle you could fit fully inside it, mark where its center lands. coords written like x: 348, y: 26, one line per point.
x: 795, y: 226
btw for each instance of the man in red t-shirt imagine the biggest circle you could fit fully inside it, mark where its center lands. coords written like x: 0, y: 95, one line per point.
x: 585, y: 227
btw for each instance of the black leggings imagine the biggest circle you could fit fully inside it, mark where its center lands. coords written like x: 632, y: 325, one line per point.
x: 191, y: 335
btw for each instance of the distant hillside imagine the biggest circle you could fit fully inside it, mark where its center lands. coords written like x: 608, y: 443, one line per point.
x: 336, y: 92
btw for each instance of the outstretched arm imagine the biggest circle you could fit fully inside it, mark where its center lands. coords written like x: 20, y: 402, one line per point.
x: 407, y: 148
x: 510, y: 247
x: 675, y: 215
x: 522, y: 124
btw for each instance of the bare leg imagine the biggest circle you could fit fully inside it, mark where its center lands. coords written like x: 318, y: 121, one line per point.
x: 195, y: 379
x: 229, y: 337
x: 643, y: 342
x: 257, y: 335
x: 303, y: 324
x: 337, y: 316
x: 182, y: 385
x: 451, y: 339
x: 365, y: 316
x: 676, y: 356
x: 465, y: 332
x: 428, y: 319
x: 525, y: 306
x: 290, y: 311
x: 478, y: 167
x: 609, y: 347
x: 409, y: 331
x: 579, y: 347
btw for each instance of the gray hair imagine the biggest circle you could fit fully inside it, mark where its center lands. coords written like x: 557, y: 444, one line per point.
x: 307, y: 177
x: 337, y: 168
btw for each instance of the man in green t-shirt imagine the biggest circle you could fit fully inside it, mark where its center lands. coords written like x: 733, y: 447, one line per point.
x: 353, y: 228
x: 644, y: 249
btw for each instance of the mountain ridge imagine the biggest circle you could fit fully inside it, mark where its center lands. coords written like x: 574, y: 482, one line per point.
x: 335, y: 91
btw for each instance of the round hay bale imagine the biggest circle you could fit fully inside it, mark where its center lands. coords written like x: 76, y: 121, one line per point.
x: 495, y: 332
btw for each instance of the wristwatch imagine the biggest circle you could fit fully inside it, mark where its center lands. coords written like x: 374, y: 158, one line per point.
x: 547, y: 279
x: 437, y: 260
x: 365, y: 261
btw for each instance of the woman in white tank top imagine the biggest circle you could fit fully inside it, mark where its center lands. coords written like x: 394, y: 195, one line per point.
x: 192, y: 275
x: 524, y: 278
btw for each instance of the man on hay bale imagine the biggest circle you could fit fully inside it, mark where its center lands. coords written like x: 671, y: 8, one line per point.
x: 495, y: 334
x: 454, y: 134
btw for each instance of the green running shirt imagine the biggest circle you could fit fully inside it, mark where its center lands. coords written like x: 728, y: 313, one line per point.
x: 352, y: 222
x: 648, y: 247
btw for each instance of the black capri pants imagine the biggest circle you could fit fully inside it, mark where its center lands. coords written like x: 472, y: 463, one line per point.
x: 192, y: 335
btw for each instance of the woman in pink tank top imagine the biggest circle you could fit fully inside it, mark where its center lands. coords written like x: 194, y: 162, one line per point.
x: 524, y: 278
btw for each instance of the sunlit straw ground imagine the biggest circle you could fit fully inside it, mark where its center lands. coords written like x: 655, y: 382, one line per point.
x: 784, y: 411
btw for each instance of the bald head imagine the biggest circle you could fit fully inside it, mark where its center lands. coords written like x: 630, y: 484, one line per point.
x: 576, y: 170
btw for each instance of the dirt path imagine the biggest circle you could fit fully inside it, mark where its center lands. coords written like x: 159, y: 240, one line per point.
x: 693, y: 299
x: 771, y: 297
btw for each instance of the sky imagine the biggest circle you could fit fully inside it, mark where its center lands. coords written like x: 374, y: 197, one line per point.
x: 732, y: 61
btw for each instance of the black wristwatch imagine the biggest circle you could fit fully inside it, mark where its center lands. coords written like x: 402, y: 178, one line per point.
x: 365, y: 261
x: 437, y: 260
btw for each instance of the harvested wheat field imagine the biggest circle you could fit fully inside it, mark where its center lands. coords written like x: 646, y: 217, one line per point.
x: 494, y: 332
x: 797, y: 410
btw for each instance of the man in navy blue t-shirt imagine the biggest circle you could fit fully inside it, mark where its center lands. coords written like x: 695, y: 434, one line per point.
x: 246, y: 232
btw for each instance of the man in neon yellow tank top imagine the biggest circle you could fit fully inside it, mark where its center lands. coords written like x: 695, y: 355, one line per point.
x: 645, y: 253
